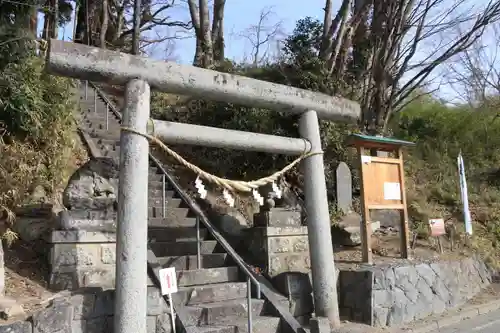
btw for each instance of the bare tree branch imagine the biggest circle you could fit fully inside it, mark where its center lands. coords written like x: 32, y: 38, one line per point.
x: 394, y: 47
x: 262, y: 34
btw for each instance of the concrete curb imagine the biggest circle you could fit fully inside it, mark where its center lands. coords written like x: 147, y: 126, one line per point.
x: 467, y: 313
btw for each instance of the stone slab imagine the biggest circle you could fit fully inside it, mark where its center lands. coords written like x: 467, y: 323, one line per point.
x: 344, y: 188
x: 289, y: 262
x: 69, y: 222
x: 283, y: 231
x: 293, y: 283
x: 319, y: 325
x: 16, y: 327
x: 56, y: 318
x: 74, y: 277
x: 278, y: 217
x: 81, y: 236
x: 88, y: 310
x: 288, y: 244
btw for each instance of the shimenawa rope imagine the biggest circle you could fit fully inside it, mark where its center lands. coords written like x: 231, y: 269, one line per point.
x: 231, y: 185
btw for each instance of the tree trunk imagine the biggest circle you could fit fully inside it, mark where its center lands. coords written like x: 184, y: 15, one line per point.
x: 209, y: 41
x: 54, y: 19
x: 104, y: 24
x: 206, y: 38
x: 81, y: 23
x: 328, y: 37
x: 327, y: 23
x: 339, y: 39
x: 218, y: 31
x: 46, y: 26
x: 33, y: 21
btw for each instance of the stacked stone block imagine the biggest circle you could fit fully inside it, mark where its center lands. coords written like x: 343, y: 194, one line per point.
x: 89, y: 310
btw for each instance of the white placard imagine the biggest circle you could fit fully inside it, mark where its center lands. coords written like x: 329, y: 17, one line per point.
x: 366, y: 159
x: 168, y: 281
x: 392, y: 191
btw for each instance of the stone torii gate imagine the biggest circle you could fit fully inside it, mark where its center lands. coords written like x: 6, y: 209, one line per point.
x: 138, y: 74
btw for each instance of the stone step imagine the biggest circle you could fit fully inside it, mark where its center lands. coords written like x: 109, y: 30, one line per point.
x: 180, y: 248
x: 212, y: 293
x: 157, y: 192
x: 113, y: 128
x: 188, y: 262
x: 98, y: 116
x: 205, y: 276
x: 94, y: 126
x: 219, y: 312
x: 93, y: 120
x: 87, y: 108
x: 171, y: 202
x: 174, y: 234
x: 172, y: 221
x: 153, y: 169
x: 101, y: 134
x: 178, y: 213
x: 157, y: 177
x: 158, y: 184
x: 105, y: 142
x: 261, y: 324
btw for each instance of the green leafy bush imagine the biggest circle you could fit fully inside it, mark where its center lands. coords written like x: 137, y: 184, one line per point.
x: 38, y: 146
x: 440, y: 134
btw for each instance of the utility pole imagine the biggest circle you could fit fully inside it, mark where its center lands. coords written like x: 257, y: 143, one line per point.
x: 137, y: 27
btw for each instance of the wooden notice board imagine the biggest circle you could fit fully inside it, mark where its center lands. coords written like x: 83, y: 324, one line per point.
x: 382, y: 184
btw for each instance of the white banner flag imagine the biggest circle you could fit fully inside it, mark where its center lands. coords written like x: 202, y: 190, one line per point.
x: 464, y: 194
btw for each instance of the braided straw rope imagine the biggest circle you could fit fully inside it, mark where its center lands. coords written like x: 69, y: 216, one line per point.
x: 231, y: 185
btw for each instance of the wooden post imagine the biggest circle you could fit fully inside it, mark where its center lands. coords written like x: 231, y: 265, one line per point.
x: 405, y: 230
x: 365, y: 228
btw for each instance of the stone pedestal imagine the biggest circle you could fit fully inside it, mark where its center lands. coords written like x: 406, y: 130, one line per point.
x: 80, y: 258
x: 83, y: 243
x: 280, y: 247
x: 278, y: 250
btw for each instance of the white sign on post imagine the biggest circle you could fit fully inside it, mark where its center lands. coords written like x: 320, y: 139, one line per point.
x: 168, y: 283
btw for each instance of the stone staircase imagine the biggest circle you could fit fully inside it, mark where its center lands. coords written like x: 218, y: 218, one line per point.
x: 213, y: 295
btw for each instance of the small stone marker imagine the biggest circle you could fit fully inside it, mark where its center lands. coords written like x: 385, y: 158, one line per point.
x: 344, y: 188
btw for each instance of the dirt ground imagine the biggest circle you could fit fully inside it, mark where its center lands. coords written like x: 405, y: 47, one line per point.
x: 386, y: 250
x: 25, y: 277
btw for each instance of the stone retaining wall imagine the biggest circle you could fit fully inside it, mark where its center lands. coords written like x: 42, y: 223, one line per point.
x: 88, y: 311
x: 394, y: 295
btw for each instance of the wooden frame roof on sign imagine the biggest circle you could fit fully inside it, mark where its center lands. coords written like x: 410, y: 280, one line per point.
x: 377, y: 142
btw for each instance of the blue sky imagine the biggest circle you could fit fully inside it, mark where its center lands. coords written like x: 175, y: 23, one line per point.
x: 239, y: 15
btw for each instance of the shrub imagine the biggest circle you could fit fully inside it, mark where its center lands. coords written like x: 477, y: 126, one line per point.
x: 37, y: 135
x: 441, y: 133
